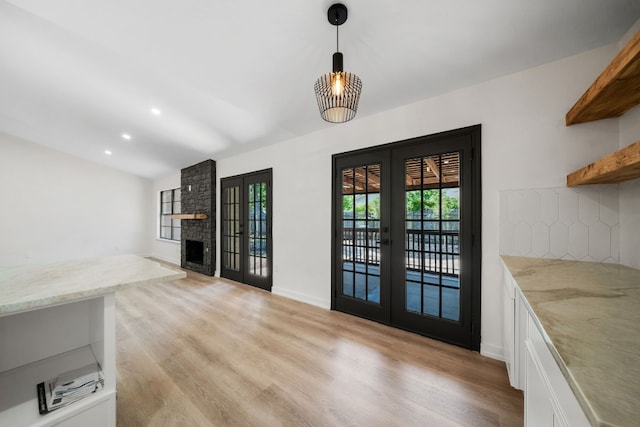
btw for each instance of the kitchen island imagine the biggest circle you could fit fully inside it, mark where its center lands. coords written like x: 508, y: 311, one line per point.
x: 58, y: 317
x: 588, y: 316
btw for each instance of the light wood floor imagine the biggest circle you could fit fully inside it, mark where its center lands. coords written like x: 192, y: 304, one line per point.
x: 204, y: 351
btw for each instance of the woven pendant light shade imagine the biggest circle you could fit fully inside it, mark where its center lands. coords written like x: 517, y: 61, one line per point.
x: 338, y: 104
x: 338, y: 92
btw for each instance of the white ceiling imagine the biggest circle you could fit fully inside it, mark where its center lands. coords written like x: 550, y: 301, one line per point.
x: 230, y: 76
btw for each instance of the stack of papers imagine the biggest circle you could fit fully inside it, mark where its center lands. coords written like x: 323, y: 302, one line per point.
x: 69, y: 387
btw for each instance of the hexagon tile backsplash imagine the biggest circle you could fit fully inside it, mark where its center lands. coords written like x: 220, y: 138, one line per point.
x: 562, y: 223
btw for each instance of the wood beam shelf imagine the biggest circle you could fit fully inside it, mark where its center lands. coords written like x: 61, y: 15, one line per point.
x: 615, y: 91
x: 189, y: 216
x: 623, y: 165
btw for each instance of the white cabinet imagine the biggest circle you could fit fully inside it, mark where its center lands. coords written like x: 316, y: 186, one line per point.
x: 538, y: 410
x: 545, y: 379
x: 38, y: 345
x: 548, y: 399
x: 514, y: 331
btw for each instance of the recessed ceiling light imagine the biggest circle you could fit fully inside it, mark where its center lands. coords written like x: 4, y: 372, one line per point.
x: 155, y: 111
x: 126, y: 136
x: 107, y: 152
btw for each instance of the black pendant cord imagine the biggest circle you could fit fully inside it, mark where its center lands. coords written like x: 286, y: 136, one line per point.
x: 337, y: 38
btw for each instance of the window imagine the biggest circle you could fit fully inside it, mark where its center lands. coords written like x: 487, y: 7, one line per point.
x: 169, y: 205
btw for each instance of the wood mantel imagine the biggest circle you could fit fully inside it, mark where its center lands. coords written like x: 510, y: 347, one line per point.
x: 623, y: 165
x: 615, y: 91
x: 189, y: 216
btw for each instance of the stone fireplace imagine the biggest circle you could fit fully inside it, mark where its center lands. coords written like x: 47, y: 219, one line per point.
x: 198, y: 192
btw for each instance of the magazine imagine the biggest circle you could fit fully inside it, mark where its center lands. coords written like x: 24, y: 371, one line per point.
x: 69, y: 387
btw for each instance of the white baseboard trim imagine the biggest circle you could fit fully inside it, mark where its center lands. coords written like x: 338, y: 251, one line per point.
x: 287, y: 293
x: 492, y: 351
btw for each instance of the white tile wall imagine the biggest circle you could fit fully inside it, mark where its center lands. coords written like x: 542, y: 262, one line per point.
x: 561, y: 223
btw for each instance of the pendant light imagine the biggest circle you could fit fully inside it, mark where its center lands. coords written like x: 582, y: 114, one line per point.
x: 338, y: 92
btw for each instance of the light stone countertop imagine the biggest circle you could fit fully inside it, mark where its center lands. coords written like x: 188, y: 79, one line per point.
x: 590, y: 313
x: 33, y: 286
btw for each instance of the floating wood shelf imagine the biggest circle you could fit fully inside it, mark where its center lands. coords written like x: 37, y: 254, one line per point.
x: 623, y: 165
x: 615, y: 91
x: 189, y: 216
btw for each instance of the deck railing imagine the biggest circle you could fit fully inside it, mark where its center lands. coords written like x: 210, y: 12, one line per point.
x: 425, y: 250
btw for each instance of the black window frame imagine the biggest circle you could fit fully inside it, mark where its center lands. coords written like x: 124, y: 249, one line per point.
x: 173, y: 235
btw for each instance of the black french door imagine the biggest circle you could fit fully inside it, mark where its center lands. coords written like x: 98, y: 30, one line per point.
x: 406, y: 244
x: 246, y: 229
x: 361, y: 204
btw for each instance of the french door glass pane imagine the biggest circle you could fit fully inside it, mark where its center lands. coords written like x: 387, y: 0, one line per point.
x: 230, y: 210
x: 361, y: 232
x: 432, y: 235
x: 258, y: 229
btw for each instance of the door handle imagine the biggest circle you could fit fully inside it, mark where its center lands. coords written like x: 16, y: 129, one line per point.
x: 385, y: 242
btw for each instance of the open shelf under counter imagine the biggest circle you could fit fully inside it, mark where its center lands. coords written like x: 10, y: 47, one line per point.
x: 19, y: 400
x: 58, y: 317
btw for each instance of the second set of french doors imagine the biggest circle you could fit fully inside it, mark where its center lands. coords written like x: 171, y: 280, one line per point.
x: 246, y: 254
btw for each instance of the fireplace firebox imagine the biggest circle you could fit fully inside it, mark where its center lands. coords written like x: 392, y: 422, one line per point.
x: 195, y: 251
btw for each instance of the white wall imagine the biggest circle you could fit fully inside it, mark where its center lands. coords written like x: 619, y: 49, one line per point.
x: 525, y: 144
x: 630, y: 196
x: 161, y: 248
x: 630, y: 191
x: 56, y: 207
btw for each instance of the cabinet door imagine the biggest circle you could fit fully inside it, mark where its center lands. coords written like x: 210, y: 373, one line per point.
x: 521, y: 334
x: 538, y: 410
x: 558, y: 421
x: 508, y: 312
x: 515, y: 318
